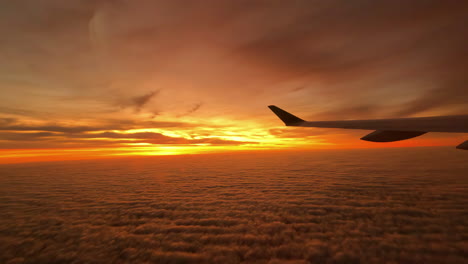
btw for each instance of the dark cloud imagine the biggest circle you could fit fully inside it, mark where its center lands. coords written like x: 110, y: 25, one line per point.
x: 140, y: 101
x: 25, y: 136
x: 51, y: 128
x: 195, y: 108
x: 137, y: 103
x: 72, y: 138
x: 98, y: 136
x: 108, y: 124
x: 6, y: 121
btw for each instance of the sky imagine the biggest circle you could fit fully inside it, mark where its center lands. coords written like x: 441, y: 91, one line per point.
x: 109, y: 78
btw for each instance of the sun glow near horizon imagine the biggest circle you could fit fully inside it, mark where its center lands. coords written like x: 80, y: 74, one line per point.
x: 174, y: 136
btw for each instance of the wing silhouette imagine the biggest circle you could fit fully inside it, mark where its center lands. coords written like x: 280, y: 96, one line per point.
x: 387, y: 130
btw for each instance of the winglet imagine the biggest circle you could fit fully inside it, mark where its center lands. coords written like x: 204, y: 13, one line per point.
x: 287, y: 118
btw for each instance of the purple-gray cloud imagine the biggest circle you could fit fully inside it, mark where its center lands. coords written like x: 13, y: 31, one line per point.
x: 73, y: 137
x: 138, y: 102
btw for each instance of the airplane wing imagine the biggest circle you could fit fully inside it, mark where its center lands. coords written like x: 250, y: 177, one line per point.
x: 387, y: 130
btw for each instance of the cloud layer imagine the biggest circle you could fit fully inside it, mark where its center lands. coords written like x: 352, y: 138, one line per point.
x: 88, y: 61
x: 377, y: 206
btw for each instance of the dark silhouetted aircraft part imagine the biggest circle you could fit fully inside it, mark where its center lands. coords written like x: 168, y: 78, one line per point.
x: 463, y: 145
x: 390, y: 136
x: 387, y: 130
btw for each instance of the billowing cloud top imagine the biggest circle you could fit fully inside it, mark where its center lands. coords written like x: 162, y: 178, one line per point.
x: 212, y: 67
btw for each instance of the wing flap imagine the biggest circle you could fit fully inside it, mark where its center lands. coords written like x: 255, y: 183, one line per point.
x: 390, y: 136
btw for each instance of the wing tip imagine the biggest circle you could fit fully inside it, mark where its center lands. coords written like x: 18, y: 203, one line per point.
x: 288, y: 118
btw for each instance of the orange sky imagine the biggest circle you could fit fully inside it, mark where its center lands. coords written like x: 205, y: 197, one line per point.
x: 87, y: 79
